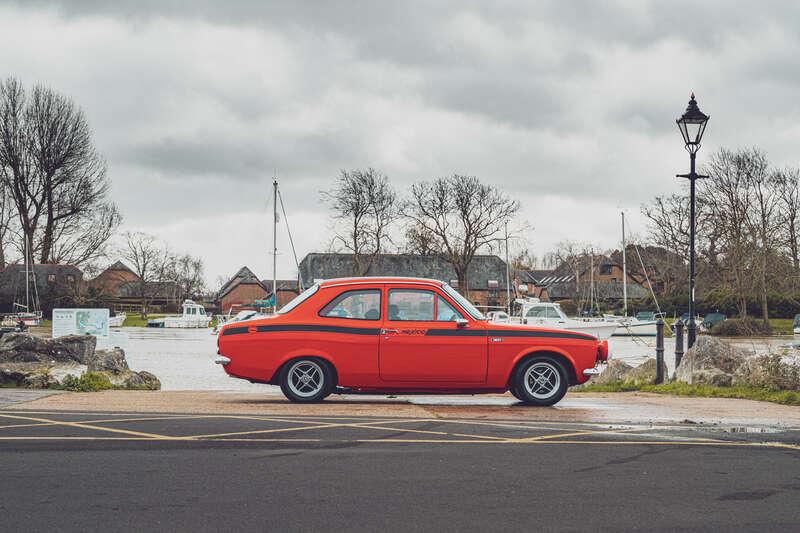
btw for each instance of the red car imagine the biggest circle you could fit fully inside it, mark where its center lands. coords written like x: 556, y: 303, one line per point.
x: 402, y: 335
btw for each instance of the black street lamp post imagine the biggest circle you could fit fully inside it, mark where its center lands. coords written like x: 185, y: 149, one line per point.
x: 692, y: 125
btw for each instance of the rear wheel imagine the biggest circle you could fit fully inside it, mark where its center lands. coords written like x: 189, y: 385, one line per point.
x: 518, y: 395
x: 307, y: 380
x: 540, y: 381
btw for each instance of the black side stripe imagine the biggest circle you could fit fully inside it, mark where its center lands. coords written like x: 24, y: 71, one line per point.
x: 319, y: 328
x: 545, y: 334
x: 428, y: 333
x: 234, y: 331
x: 456, y: 333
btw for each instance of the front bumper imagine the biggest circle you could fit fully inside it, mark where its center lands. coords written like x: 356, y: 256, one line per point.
x: 222, y: 360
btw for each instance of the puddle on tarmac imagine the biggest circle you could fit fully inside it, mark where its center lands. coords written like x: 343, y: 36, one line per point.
x: 748, y: 429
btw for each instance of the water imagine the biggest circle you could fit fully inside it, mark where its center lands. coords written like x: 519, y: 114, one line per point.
x: 183, y: 359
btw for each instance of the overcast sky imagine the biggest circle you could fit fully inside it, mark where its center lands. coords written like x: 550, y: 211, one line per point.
x: 569, y: 106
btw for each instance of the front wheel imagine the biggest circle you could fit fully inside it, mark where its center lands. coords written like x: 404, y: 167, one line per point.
x: 540, y: 381
x: 307, y: 380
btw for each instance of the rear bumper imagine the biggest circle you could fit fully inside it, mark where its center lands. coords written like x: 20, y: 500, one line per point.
x: 594, y: 371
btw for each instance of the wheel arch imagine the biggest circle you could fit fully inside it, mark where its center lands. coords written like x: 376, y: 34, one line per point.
x: 276, y: 376
x: 553, y: 353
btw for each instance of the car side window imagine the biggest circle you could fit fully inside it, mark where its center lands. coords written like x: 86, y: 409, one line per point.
x: 446, y: 312
x: 410, y: 304
x: 362, y: 304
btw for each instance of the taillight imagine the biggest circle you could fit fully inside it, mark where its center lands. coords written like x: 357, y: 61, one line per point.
x: 602, y: 350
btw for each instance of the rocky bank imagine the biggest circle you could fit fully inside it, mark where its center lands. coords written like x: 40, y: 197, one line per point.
x: 713, y: 361
x: 34, y: 362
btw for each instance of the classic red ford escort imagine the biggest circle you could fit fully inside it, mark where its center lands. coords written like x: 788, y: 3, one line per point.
x: 402, y: 335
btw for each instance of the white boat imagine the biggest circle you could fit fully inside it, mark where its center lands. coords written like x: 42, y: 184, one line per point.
x: 241, y: 316
x: 537, y: 313
x: 194, y: 316
x: 117, y: 320
x: 28, y: 319
x: 631, y: 326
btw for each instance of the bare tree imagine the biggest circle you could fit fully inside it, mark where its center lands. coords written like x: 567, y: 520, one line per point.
x: 365, y: 205
x: 728, y: 197
x: 787, y: 183
x: 151, y: 262
x: 189, y: 275
x: 7, y: 216
x: 761, y: 217
x: 420, y: 241
x: 56, y: 178
x: 462, y: 214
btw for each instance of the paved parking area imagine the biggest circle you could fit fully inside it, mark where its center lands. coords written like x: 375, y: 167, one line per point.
x: 122, y: 471
x: 36, y: 426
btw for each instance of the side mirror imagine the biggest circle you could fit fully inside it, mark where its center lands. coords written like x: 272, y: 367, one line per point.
x: 461, y: 322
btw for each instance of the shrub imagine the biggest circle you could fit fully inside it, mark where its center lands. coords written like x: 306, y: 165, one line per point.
x: 88, y: 382
x: 742, y: 327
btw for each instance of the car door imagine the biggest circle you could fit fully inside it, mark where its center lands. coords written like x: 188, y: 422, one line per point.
x: 421, y: 340
x: 346, y: 329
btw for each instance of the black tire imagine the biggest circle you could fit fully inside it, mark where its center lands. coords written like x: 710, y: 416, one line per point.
x: 513, y: 390
x: 320, y: 384
x: 550, y: 390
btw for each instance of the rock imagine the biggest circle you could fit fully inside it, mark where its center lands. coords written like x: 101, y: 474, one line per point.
x: 128, y: 379
x: 37, y: 375
x: 711, y: 361
x: 615, y: 372
x: 143, y: 380
x: 41, y: 379
x: 29, y: 361
x: 778, y: 371
x: 24, y: 348
x: 79, y: 348
x: 645, y: 374
x: 110, y: 360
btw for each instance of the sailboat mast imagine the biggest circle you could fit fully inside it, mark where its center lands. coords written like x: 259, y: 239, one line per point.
x: 624, y: 271
x: 275, y: 241
x: 27, y: 276
x: 591, y: 282
x: 508, y: 276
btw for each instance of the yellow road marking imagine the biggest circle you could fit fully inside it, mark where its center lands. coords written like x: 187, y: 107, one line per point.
x: 25, y: 425
x: 278, y: 430
x: 89, y: 426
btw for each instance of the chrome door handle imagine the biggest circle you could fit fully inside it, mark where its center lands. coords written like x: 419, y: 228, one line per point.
x: 387, y: 331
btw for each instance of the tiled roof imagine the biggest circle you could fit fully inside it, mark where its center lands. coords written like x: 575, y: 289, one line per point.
x: 484, y: 268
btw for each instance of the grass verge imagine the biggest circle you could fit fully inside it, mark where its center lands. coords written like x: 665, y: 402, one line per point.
x: 87, y: 382
x: 783, y: 397
x: 135, y: 320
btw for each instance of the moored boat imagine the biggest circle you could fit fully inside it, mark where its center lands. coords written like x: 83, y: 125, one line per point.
x: 536, y: 313
x: 194, y: 316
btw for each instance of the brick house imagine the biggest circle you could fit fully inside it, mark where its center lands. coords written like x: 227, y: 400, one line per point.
x: 119, y: 288
x: 562, y: 284
x: 486, y: 276
x: 56, y: 286
x: 244, y: 289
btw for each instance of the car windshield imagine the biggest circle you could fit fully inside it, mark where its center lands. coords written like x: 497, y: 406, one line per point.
x: 463, y: 302
x: 300, y: 298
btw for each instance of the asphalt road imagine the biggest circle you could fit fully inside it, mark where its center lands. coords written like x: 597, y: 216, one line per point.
x: 79, y: 472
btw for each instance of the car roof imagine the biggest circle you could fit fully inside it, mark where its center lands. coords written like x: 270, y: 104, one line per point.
x: 379, y: 279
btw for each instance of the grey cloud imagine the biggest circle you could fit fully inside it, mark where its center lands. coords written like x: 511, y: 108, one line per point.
x: 197, y: 103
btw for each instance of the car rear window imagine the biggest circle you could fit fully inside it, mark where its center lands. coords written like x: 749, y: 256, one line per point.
x: 300, y: 298
x: 363, y: 304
